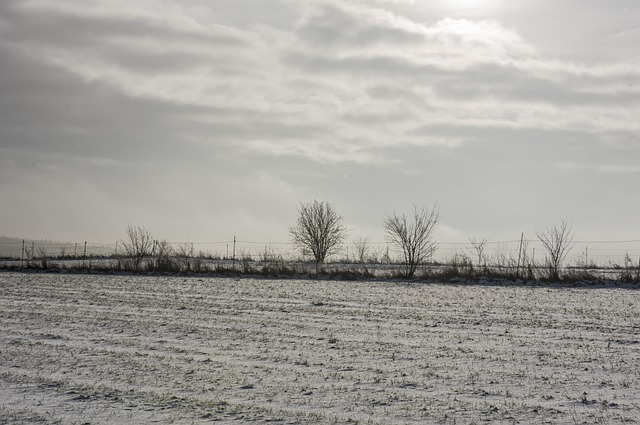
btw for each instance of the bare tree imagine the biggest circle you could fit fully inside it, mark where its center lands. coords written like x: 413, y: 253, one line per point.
x: 479, y: 247
x: 557, y: 241
x: 138, y: 244
x: 319, y: 229
x: 42, y: 254
x: 185, y: 254
x: 413, y: 235
x: 361, y: 246
x: 162, y: 252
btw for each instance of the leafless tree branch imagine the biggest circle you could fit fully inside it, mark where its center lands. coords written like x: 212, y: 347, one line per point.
x: 557, y: 241
x: 361, y: 248
x: 318, y: 229
x: 413, y: 235
x: 137, y: 244
x: 479, y: 247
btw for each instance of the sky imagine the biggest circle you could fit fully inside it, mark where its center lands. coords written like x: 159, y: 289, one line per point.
x: 203, y: 120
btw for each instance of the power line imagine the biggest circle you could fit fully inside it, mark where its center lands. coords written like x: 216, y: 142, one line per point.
x: 38, y: 243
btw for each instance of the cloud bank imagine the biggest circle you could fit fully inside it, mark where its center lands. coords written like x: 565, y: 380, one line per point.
x: 122, y: 96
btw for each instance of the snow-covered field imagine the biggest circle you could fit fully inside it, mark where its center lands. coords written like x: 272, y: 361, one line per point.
x: 137, y: 350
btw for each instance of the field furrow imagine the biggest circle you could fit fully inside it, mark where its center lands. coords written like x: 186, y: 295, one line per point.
x: 123, y: 349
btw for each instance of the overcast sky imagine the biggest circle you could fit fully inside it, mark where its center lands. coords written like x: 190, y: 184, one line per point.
x: 203, y: 119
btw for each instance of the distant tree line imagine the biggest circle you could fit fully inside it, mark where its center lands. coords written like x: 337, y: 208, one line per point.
x: 320, y: 230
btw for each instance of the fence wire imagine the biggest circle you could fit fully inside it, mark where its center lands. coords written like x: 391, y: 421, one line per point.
x: 614, y: 253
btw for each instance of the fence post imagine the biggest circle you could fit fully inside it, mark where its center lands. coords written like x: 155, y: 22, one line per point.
x: 519, y: 256
x: 234, y: 252
x: 84, y: 255
x: 22, y: 261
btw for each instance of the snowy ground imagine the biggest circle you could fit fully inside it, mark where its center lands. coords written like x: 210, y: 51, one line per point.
x: 137, y: 350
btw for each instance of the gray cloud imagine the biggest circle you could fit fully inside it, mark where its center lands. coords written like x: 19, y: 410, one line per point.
x: 333, y: 26
x: 196, y: 114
